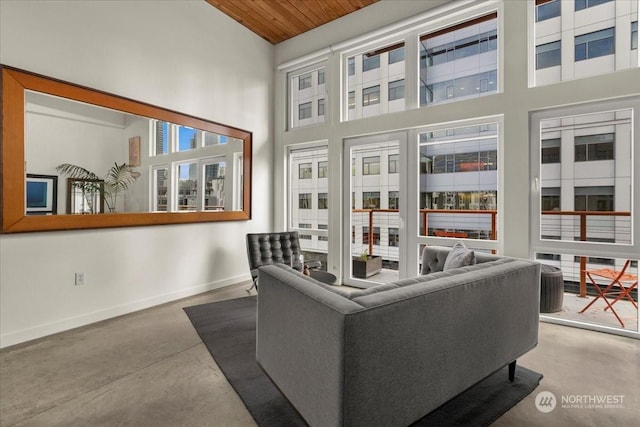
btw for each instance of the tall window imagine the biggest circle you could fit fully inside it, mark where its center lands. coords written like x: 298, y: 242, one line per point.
x: 303, y: 187
x: 160, y: 178
x: 161, y: 134
x: 588, y: 181
x: 323, y: 202
x: 456, y: 152
x: 187, y: 186
x: 394, y: 196
x: 214, y: 176
x: 394, y: 237
x: 394, y: 160
x: 321, y: 107
x: 323, y: 169
x: 634, y: 35
x: 323, y: 227
x: 446, y: 68
x: 351, y: 66
x: 352, y: 100
x: 396, y: 90
x: 593, y: 45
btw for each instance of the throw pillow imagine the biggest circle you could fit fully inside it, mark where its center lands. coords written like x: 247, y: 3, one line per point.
x: 459, y: 257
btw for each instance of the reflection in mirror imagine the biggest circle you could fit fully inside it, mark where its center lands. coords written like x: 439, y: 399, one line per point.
x: 190, y: 168
x: 112, y: 155
x: 85, y: 196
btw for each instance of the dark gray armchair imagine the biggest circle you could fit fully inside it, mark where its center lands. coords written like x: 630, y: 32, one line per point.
x: 270, y: 248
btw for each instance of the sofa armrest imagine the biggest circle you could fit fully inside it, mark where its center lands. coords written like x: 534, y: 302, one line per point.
x: 300, y: 339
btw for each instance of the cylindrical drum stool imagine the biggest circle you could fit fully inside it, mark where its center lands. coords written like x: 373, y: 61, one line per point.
x: 551, y: 289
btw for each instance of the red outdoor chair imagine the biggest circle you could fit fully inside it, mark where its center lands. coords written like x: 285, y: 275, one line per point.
x: 620, y: 287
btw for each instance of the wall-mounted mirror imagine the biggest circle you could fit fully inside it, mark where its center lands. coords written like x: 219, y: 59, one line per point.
x: 153, y: 166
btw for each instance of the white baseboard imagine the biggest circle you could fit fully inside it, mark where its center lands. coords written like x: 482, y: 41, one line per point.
x: 18, y: 337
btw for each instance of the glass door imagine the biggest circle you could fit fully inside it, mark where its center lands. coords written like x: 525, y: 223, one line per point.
x: 374, y: 209
x: 584, y: 203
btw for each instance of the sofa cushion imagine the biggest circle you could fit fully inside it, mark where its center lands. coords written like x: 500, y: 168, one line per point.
x: 459, y: 256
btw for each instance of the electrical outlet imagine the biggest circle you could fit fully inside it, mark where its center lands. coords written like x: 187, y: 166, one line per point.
x: 80, y: 279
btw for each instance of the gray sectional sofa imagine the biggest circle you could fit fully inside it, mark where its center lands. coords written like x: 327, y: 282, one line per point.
x: 388, y: 355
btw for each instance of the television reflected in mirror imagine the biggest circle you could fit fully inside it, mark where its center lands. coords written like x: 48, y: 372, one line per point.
x: 154, y: 166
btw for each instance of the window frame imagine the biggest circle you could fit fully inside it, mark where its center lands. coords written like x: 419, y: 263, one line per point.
x: 370, y: 160
x: 305, y: 199
x: 371, y: 95
x: 546, y: 53
x: 589, y: 40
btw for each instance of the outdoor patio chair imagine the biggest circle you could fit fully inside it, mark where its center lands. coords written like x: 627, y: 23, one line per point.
x: 620, y: 286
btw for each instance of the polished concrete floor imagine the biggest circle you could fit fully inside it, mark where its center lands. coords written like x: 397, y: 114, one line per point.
x: 150, y: 368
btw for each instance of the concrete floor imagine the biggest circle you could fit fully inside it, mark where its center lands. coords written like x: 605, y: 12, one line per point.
x: 150, y: 368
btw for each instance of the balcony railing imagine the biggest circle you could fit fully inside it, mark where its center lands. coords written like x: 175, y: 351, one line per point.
x: 581, y: 216
x: 424, y: 220
x: 605, y: 228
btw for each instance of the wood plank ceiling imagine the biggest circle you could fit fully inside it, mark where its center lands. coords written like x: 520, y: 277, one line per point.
x: 279, y: 20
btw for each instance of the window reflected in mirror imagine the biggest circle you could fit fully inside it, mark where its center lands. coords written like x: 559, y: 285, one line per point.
x: 176, y: 167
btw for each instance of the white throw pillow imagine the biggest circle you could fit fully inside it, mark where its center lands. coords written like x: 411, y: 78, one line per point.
x: 459, y: 257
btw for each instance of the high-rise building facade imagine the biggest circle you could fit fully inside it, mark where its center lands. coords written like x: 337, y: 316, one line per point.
x: 582, y: 38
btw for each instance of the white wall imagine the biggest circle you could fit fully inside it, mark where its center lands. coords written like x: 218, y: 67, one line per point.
x: 181, y: 55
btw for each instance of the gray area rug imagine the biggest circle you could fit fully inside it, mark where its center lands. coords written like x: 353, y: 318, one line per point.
x: 228, y: 330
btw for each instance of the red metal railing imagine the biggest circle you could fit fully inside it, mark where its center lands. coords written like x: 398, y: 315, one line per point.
x: 583, y: 235
x: 424, y: 214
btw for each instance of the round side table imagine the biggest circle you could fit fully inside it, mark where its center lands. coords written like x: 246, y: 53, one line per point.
x: 551, y: 289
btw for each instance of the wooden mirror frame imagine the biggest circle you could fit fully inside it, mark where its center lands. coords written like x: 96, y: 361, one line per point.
x: 12, y: 163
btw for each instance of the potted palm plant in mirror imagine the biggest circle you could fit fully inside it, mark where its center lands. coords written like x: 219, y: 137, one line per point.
x: 366, y: 265
x: 113, y: 184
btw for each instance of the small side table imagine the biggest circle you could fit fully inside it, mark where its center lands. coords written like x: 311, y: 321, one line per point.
x: 551, y: 289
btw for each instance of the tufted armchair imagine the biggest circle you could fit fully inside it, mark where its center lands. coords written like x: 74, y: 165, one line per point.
x: 270, y: 248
